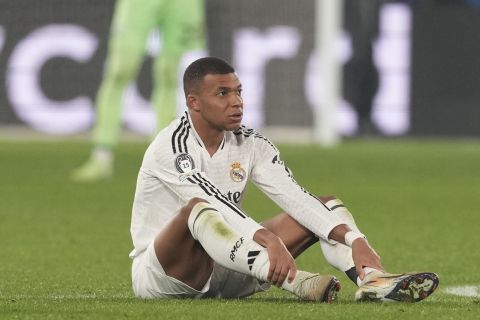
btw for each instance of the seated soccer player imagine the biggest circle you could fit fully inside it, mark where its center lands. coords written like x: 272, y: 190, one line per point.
x: 191, y: 237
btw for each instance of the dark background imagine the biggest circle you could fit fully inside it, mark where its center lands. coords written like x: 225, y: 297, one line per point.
x: 445, y: 83
x: 446, y: 71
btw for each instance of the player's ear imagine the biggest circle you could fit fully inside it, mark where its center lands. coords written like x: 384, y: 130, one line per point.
x: 192, y: 102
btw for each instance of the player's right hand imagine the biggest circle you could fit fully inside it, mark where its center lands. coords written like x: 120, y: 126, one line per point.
x: 282, y: 264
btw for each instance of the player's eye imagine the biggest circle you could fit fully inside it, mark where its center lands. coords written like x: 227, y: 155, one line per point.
x: 239, y: 92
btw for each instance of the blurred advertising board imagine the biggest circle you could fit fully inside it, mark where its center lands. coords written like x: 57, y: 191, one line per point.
x: 52, y: 55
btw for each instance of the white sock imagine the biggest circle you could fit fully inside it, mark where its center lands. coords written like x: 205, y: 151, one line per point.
x: 102, y: 155
x: 338, y: 254
x: 226, y: 246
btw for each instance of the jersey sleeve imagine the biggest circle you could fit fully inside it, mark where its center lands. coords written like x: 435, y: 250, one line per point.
x: 274, y: 178
x: 180, y: 173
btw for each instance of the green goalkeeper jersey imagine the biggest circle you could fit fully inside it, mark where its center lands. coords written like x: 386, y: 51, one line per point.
x: 181, y: 23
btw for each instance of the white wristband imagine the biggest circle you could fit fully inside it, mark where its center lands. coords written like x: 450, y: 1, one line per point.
x: 351, y: 236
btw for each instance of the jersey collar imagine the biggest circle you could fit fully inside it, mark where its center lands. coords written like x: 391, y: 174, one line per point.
x: 197, y: 137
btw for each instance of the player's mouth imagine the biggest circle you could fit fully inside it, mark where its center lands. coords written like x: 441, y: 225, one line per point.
x: 236, y: 117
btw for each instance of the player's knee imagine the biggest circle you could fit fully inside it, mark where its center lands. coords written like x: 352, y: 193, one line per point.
x: 187, y: 209
x: 325, y: 199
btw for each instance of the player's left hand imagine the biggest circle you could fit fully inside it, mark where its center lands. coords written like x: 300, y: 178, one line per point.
x: 364, y: 256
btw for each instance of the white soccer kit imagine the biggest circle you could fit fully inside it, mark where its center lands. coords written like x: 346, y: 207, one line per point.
x: 177, y: 167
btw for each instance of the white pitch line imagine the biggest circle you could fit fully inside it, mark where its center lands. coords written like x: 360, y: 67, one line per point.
x: 464, y: 291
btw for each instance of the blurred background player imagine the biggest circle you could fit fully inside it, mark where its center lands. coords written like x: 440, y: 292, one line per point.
x: 181, y: 23
x: 361, y: 75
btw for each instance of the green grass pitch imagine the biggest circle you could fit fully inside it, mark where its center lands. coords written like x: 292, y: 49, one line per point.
x: 64, y: 247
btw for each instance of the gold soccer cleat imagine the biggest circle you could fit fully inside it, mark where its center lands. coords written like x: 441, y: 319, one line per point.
x: 316, y: 287
x: 406, y: 287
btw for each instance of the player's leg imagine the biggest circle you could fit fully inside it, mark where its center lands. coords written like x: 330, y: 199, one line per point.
x: 296, y: 237
x: 199, y: 235
x: 130, y: 26
x: 181, y: 256
x: 175, y: 264
x: 377, y: 285
x: 183, y: 31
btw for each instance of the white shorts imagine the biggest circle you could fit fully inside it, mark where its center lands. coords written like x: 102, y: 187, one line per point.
x: 150, y: 281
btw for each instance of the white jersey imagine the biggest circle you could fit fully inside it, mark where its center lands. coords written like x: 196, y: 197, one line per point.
x: 177, y: 167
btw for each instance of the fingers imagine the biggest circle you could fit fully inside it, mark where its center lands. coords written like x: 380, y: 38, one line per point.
x: 279, y: 275
x: 282, y: 264
x: 373, y: 261
x: 271, y: 270
x: 279, y: 271
x: 360, y: 271
x: 379, y: 265
x: 292, y: 273
x: 364, y: 256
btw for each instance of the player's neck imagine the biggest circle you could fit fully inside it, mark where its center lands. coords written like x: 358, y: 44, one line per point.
x: 210, y: 136
x: 212, y: 140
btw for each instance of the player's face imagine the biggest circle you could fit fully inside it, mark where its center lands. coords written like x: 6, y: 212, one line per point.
x: 220, y: 101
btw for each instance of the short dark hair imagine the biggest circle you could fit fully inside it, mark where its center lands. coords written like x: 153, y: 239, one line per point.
x: 198, y: 69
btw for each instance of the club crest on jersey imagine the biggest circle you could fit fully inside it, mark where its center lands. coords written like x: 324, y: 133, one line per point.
x: 237, y: 173
x: 184, y: 163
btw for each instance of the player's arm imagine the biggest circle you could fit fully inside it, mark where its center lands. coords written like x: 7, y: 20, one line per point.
x: 270, y: 174
x: 273, y: 177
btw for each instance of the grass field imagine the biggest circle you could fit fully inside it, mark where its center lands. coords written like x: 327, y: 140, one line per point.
x: 64, y: 247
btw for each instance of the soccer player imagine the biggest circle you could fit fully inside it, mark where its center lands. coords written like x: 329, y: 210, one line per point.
x: 192, y: 239
x: 182, y: 25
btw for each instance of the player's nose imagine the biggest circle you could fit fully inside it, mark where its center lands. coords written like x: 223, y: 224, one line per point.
x: 236, y: 100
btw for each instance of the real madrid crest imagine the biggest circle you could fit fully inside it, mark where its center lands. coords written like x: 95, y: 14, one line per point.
x: 237, y: 173
x: 184, y: 163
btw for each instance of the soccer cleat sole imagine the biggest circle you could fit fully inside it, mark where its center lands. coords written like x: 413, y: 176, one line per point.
x: 331, y: 291
x: 414, y: 288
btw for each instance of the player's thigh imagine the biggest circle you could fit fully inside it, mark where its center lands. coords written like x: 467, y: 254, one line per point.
x: 150, y: 281
x: 296, y: 237
x: 132, y: 22
x: 181, y: 256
